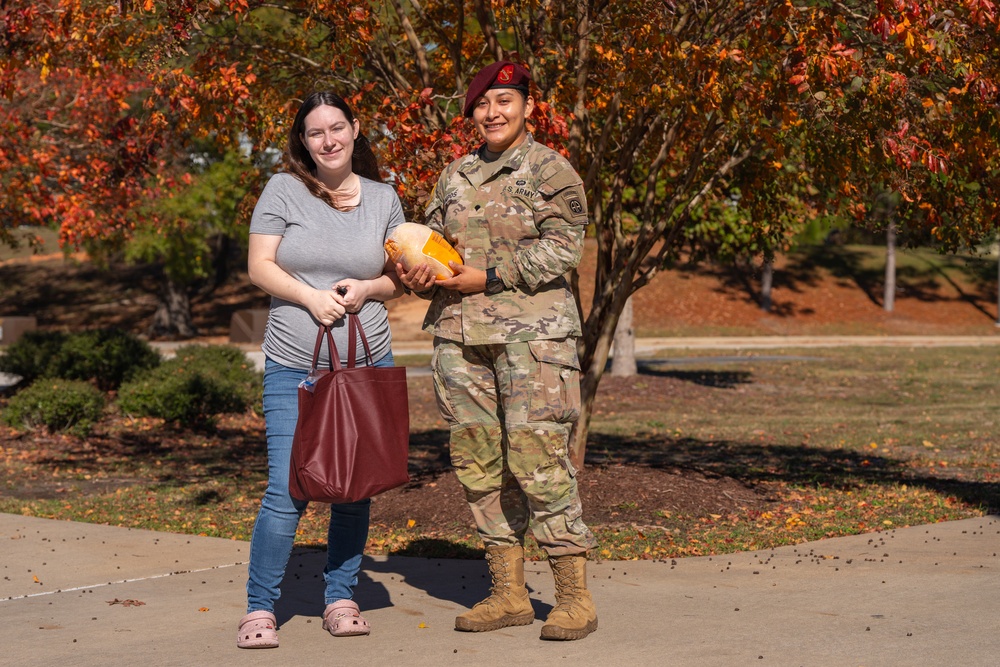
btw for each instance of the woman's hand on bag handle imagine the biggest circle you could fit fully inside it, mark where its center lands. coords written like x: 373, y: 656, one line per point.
x: 325, y: 306
x: 352, y: 294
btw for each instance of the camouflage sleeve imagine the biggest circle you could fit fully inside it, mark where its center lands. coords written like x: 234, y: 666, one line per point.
x: 561, y: 218
x: 434, y: 212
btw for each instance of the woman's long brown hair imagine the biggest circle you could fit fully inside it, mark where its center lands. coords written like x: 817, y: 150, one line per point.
x: 300, y: 163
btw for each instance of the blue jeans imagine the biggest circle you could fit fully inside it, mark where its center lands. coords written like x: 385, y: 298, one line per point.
x: 278, y: 519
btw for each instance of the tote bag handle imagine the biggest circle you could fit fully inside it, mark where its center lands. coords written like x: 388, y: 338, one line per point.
x: 354, y: 329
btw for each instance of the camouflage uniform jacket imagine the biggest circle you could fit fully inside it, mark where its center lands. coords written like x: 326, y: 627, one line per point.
x: 525, y: 214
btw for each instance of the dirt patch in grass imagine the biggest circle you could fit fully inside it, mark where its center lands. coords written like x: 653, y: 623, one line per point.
x: 618, y: 488
x: 53, y: 467
x: 612, y: 495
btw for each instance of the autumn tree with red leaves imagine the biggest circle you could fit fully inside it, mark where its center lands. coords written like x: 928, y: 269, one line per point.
x: 687, y: 110
x: 101, y: 126
x: 700, y: 128
x: 119, y: 117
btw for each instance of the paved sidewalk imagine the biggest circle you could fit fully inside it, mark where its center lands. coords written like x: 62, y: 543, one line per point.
x: 646, y: 348
x: 649, y: 348
x: 87, y: 595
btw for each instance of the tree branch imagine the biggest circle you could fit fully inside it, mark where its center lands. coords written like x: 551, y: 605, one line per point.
x: 485, y: 16
x: 576, y: 131
x: 294, y: 56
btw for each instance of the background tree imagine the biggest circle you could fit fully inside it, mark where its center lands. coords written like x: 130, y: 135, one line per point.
x: 801, y: 106
x: 101, y: 143
x: 700, y: 128
x: 125, y: 121
x: 189, y: 237
x: 905, y: 138
x: 623, y: 363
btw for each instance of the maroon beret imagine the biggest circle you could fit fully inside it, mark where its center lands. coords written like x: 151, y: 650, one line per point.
x: 501, y: 74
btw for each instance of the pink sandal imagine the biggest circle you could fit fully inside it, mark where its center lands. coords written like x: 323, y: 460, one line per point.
x: 343, y: 619
x: 258, y: 629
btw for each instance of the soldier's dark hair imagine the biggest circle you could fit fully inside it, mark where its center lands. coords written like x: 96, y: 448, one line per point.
x: 300, y: 163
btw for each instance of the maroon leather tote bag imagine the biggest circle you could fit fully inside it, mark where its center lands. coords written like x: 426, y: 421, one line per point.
x: 353, y: 432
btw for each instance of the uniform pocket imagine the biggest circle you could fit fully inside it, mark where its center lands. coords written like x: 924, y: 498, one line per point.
x: 441, y: 370
x: 556, y: 394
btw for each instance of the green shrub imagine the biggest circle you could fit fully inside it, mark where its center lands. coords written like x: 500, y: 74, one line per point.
x: 107, y: 357
x: 60, y: 405
x: 34, y: 355
x: 230, y: 365
x: 198, y: 383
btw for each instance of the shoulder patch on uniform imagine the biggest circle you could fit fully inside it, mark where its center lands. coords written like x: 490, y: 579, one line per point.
x: 573, y: 203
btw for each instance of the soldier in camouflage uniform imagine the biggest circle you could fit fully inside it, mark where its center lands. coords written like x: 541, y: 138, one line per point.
x: 506, y: 371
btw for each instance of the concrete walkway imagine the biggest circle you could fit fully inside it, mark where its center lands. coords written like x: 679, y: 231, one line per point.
x: 648, y: 348
x: 76, y: 594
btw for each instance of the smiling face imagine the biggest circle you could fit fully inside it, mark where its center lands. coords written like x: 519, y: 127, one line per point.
x: 500, y: 116
x: 329, y: 138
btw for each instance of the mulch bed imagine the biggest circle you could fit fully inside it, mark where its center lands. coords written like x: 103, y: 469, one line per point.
x: 612, y: 495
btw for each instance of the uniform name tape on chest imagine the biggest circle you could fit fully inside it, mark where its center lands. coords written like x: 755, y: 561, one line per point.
x: 523, y: 192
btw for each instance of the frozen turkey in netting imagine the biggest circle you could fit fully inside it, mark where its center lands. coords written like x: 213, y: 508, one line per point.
x: 411, y: 244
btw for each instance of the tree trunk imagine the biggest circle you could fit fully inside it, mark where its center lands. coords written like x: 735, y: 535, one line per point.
x: 595, y: 348
x: 889, y: 296
x: 172, y: 318
x: 766, y: 281
x: 623, y: 358
x: 590, y: 378
x: 998, y: 281
x: 222, y: 260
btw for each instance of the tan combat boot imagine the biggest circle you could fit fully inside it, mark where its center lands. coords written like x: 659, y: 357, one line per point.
x: 574, y: 616
x: 508, y: 602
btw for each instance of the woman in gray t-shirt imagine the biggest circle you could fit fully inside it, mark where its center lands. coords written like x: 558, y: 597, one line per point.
x: 316, y: 246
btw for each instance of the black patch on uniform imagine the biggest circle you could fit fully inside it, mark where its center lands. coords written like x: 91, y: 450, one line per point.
x: 575, y: 206
x: 521, y: 182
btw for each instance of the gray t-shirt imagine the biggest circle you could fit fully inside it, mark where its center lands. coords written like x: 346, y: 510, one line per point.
x: 319, y: 247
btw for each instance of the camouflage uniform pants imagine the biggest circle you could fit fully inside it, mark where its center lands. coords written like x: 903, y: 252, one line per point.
x: 510, y: 408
